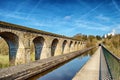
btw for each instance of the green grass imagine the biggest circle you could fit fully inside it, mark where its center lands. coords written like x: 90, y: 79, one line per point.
x: 32, y: 56
x: 4, y: 61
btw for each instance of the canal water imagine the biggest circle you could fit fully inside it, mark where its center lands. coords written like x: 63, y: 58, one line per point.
x: 67, y: 70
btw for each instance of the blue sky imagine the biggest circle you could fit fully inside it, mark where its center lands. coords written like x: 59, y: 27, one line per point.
x: 65, y: 17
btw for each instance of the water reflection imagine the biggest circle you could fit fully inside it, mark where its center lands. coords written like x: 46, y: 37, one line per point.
x: 66, y: 71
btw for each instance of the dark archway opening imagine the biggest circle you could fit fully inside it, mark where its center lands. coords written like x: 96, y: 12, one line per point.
x: 78, y: 45
x: 75, y: 46
x: 63, y: 46
x: 70, y: 46
x: 10, y: 42
x: 54, y: 46
x: 38, y: 44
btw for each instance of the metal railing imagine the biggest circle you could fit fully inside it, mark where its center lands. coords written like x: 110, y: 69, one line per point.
x: 113, y: 64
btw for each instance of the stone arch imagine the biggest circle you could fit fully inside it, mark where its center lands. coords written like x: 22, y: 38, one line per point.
x: 71, y: 46
x: 38, y: 44
x: 81, y: 45
x: 54, y: 46
x: 78, y: 46
x: 13, y: 44
x: 75, y: 46
x: 78, y: 43
x: 64, y: 46
x: 81, y: 42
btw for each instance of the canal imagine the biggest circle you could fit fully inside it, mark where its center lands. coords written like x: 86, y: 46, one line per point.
x: 65, y: 71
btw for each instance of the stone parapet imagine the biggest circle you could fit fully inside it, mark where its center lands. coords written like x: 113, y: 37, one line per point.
x: 25, y: 71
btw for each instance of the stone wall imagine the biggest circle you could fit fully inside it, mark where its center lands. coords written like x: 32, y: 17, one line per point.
x: 25, y: 71
x: 20, y: 38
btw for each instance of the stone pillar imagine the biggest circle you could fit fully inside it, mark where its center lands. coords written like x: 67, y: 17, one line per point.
x: 12, y: 55
x: 20, y: 56
x: 23, y: 53
x: 75, y: 47
x: 46, y: 51
x: 79, y: 47
x: 59, y: 48
x: 72, y: 47
x: 66, y: 49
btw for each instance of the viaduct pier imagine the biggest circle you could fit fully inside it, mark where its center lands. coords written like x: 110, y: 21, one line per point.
x: 20, y: 38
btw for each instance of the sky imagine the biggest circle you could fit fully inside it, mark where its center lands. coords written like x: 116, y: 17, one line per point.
x: 64, y: 17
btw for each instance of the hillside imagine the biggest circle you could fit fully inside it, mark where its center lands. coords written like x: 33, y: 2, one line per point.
x: 3, y: 47
x: 4, y: 56
x: 113, y: 44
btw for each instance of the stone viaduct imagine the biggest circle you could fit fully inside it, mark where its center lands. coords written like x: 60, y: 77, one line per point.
x: 20, y: 38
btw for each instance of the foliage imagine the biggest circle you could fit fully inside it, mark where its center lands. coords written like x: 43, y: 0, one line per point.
x: 80, y: 37
x: 113, y: 44
x: 3, y: 47
x: 4, y: 61
x: 98, y: 37
x: 90, y: 40
x: 4, y: 53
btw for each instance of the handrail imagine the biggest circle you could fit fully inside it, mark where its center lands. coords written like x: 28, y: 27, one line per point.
x: 117, y: 58
x: 104, y: 72
x: 113, y: 63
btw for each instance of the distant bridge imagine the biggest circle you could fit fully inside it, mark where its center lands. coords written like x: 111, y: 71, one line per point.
x: 20, y: 38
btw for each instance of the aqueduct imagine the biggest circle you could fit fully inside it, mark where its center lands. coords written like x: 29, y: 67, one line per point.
x: 20, y: 38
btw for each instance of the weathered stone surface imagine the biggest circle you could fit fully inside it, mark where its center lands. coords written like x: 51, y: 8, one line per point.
x: 24, y: 71
x: 19, y: 39
x: 90, y: 71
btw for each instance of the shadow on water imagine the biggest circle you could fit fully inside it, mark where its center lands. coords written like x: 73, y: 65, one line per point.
x: 65, y: 71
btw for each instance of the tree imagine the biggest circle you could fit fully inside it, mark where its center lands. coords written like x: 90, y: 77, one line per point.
x: 80, y: 37
x: 113, y: 44
x: 98, y: 37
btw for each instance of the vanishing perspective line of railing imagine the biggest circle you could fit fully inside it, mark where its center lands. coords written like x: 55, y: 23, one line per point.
x: 113, y: 64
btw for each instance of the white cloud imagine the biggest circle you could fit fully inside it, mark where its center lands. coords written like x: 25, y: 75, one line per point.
x: 84, y: 25
x: 91, y: 25
x: 37, y: 23
x: 67, y: 17
x: 116, y: 6
x: 10, y: 15
x: 33, y: 9
x: 104, y: 18
x: 117, y: 28
x: 58, y: 24
x: 92, y: 10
